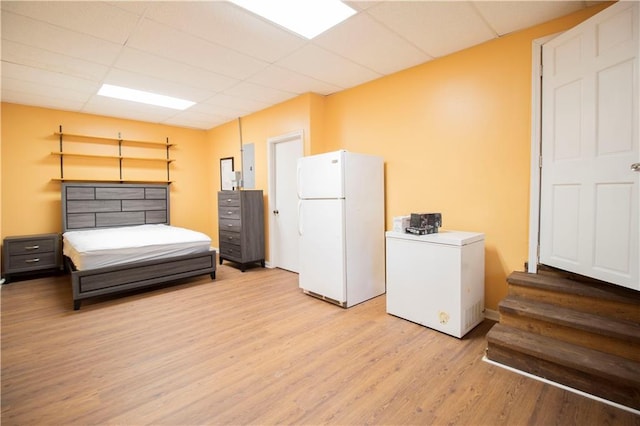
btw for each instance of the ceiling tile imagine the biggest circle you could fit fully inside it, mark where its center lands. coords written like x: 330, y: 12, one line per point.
x: 437, y: 27
x: 97, y: 19
x: 369, y: 43
x: 173, y: 44
x: 316, y: 62
x: 259, y: 93
x: 18, y: 53
x: 506, y: 17
x: 196, y: 120
x: 40, y: 99
x: 56, y: 54
x: 228, y: 25
x: 48, y: 79
x: 53, y: 92
x: 242, y: 105
x: 166, y: 69
x: 45, y: 36
x: 287, y: 80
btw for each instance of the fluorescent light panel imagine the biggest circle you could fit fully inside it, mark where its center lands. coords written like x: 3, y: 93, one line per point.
x: 149, y: 98
x: 305, y: 17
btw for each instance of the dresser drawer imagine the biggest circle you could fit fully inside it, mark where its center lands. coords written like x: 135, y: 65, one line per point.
x: 230, y: 251
x: 229, y: 237
x: 30, y: 246
x: 229, y: 198
x: 229, y: 212
x: 33, y: 261
x: 233, y: 225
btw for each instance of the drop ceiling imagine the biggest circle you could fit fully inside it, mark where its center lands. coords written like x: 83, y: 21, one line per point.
x: 229, y: 61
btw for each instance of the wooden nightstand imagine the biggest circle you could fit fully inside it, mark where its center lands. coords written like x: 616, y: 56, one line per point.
x: 31, y: 253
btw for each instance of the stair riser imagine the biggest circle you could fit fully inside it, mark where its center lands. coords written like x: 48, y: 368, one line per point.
x: 628, y: 312
x: 616, y: 392
x: 623, y: 348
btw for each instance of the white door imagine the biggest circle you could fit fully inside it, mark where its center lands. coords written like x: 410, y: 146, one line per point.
x: 589, y: 217
x: 283, y: 201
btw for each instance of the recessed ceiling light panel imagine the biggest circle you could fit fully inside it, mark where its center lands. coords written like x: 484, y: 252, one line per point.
x: 149, y: 98
x: 305, y: 17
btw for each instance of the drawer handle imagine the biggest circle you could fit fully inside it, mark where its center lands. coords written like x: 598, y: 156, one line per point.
x: 229, y: 225
x: 228, y: 200
x: 31, y: 247
x: 32, y: 260
x: 229, y: 212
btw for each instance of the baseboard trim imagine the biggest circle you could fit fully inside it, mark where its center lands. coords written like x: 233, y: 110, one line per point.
x: 492, y: 315
x: 561, y: 386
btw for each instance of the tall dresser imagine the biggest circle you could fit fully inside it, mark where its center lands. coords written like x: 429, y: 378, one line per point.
x: 241, y: 227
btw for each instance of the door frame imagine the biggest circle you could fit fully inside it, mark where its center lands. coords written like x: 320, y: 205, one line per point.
x: 536, y: 152
x: 271, y: 185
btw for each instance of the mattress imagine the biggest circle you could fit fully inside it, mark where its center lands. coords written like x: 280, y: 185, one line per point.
x: 98, y: 248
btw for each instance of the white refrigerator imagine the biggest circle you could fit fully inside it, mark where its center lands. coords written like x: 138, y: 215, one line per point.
x: 341, y: 226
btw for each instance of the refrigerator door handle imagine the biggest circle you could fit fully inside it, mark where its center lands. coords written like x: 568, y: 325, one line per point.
x: 298, y: 181
x: 299, y: 217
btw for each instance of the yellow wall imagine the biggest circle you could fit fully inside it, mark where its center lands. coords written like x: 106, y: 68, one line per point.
x: 454, y: 134
x: 289, y: 116
x: 31, y: 200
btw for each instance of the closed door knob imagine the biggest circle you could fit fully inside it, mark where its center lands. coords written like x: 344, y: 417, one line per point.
x: 635, y: 167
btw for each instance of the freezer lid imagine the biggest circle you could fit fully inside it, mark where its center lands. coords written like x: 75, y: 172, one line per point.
x: 452, y: 238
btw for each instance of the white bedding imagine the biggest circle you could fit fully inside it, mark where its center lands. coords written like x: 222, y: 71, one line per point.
x: 97, y: 248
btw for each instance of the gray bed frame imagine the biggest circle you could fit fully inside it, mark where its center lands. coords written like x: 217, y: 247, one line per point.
x: 106, y: 205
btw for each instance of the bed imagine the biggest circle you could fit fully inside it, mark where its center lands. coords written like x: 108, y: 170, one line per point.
x: 108, y: 208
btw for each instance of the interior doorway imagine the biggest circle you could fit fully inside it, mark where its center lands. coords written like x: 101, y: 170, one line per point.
x: 584, y: 191
x: 284, y: 152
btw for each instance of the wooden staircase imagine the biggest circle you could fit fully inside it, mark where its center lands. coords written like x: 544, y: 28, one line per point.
x: 572, y: 330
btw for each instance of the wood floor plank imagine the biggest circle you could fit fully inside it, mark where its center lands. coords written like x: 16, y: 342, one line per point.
x: 251, y: 348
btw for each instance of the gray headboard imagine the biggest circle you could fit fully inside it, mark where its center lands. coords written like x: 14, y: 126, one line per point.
x: 104, y: 205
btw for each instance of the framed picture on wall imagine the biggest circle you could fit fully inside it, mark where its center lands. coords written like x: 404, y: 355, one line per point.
x: 226, y: 173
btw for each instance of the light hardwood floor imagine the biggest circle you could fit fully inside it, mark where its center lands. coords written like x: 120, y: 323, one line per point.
x: 250, y: 348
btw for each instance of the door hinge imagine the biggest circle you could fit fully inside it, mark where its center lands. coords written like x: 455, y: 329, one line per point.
x: 540, y: 162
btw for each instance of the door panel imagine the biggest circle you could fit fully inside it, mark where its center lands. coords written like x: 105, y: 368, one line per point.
x: 285, y: 205
x: 589, y: 217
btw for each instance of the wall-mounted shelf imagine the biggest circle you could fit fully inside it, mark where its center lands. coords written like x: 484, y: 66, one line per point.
x: 117, y: 157
x: 112, y: 180
x: 120, y: 146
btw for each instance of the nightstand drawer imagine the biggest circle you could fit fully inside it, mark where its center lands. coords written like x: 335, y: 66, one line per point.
x: 31, y: 253
x: 30, y: 246
x: 30, y: 262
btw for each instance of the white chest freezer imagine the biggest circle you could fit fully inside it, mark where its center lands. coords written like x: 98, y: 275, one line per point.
x: 436, y: 280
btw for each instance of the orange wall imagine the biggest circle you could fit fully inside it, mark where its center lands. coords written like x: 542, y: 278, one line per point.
x: 224, y: 141
x: 454, y: 134
x: 31, y: 200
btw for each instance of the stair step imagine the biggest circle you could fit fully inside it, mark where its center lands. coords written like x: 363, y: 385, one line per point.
x: 598, y: 373
x: 618, y: 337
x: 587, y: 296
